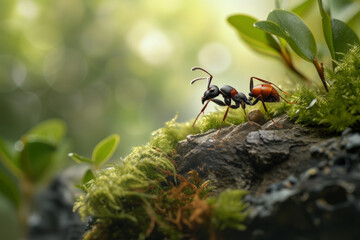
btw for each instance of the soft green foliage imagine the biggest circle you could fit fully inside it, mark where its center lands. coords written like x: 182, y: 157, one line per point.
x: 28, y: 163
x: 255, y: 38
x: 338, y: 109
x: 282, y: 24
x: 339, y: 37
x: 289, y: 29
x: 228, y: 210
x: 102, y: 152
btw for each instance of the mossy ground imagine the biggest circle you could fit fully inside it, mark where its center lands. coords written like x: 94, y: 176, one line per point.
x: 143, y: 197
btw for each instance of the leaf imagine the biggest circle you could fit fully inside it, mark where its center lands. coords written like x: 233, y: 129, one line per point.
x: 339, y: 37
x: 253, y: 37
x: 344, y: 38
x: 88, y: 175
x: 36, y: 158
x: 9, y: 188
x: 80, y: 159
x: 327, y: 29
x: 7, y: 158
x: 52, y: 130
x: 105, y: 149
x: 287, y: 25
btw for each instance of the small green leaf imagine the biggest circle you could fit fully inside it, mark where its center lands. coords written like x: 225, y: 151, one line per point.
x: 80, y: 159
x: 287, y: 25
x: 88, y: 175
x: 36, y: 158
x: 255, y: 38
x: 344, y: 38
x: 105, y: 149
x: 52, y: 130
x: 9, y: 188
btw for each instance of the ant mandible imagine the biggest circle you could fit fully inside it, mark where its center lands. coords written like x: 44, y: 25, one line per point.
x: 264, y: 92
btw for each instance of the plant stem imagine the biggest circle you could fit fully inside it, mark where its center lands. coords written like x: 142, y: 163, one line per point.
x: 27, y: 190
x: 320, y: 69
x: 288, y: 61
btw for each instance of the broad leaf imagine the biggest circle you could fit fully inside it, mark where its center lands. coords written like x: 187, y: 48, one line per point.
x: 255, y: 38
x: 343, y: 37
x: 88, y: 175
x: 36, y: 158
x: 339, y: 37
x: 80, y: 159
x: 105, y: 149
x: 290, y: 27
x: 52, y: 130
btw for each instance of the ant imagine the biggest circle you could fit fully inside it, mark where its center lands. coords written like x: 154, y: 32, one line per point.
x: 264, y: 92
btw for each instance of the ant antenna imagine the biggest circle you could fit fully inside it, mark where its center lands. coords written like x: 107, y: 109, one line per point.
x: 201, y: 78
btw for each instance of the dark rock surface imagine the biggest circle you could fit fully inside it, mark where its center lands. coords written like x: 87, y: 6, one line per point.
x: 247, y: 156
x: 302, y: 184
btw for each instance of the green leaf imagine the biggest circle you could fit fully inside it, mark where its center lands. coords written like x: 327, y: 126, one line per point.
x: 80, y: 159
x: 339, y: 37
x: 52, y: 130
x: 290, y: 27
x: 253, y: 37
x: 7, y: 158
x: 327, y: 29
x: 9, y: 188
x: 36, y: 158
x: 105, y: 149
x: 344, y: 38
x: 88, y: 175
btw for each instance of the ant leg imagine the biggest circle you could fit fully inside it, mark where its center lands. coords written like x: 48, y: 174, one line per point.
x: 227, y: 110
x: 265, y: 81
x: 202, y: 111
x: 217, y: 101
x: 262, y: 101
x: 287, y: 100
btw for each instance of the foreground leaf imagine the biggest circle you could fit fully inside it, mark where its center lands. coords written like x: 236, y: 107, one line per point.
x: 253, y: 37
x: 52, y: 130
x: 36, y: 158
x: 88, y: 175
x: 80, y: 159
x: 290, y: 27
x: 105, y: 149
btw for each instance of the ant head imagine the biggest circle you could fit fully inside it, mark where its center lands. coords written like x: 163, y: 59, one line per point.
x: 212, y: 92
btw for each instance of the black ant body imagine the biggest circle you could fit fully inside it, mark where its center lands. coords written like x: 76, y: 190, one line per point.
x: 264, y: 92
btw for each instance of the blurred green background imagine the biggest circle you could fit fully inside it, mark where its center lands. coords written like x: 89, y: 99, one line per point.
x: 122, y: 66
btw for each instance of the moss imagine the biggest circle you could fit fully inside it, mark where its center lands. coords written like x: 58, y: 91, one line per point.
x: 338, y: 109
x: 144, y: 198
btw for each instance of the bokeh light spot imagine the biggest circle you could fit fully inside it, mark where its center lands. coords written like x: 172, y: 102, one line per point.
x: 215, y: 57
